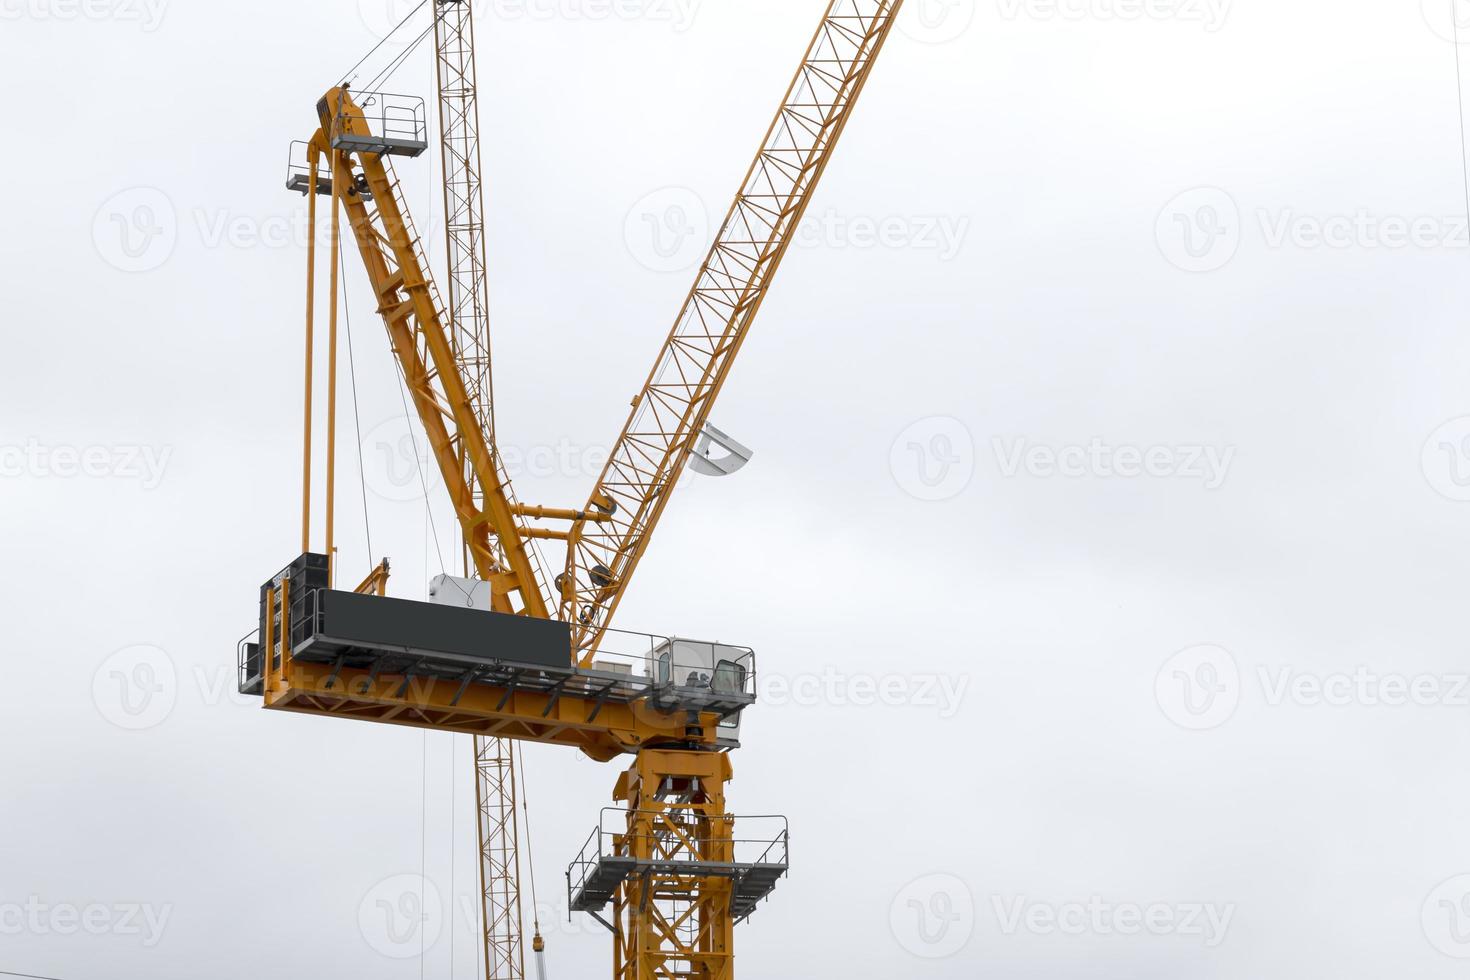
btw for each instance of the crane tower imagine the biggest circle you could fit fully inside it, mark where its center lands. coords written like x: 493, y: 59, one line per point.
x: 505, y: 654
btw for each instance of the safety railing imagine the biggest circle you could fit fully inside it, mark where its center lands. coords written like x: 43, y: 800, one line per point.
x: 673, y: 663
x: 676, y: 842
x: 398, y: 124
x: 298, y: 169
x: 249, y: 664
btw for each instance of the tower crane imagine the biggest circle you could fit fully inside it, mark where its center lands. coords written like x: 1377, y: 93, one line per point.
x: 504, y: 654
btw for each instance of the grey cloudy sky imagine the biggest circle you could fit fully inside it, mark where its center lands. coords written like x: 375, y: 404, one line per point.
x: 1104, y: 547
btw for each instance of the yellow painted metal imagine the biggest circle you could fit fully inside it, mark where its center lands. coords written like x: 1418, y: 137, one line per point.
x: 332, y: 383
x: 675, y: 924
x: 376, y: 582
x: 665, y: 926
x: 409, y: 305
x: 559, y: 514
x: 546, y: 533
x: 468, y: 320
x: 574, y: 717
x: 691, y: 368
x: 314, y: 155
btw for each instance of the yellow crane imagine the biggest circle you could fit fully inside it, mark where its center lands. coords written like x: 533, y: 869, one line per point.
x: 513, y: 656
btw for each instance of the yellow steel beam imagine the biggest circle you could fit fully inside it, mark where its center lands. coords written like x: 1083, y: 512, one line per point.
x: 575, y: 716
x: 423, y: 346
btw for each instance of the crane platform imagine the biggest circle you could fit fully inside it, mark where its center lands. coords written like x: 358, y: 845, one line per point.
x: 374, y: 637
x: 298, y: 175
x: 755, y: 867
x: 396, y: 126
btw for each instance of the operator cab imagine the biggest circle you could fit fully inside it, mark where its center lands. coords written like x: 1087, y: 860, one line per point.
x: 693, y: 673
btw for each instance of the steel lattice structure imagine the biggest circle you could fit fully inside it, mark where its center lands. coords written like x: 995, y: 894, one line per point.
x: 675, y: 916
x: 675, y: 401
x: 469, y: 323
x: 500, y: 884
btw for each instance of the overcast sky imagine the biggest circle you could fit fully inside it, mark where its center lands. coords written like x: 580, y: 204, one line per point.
x: 1103, y: 549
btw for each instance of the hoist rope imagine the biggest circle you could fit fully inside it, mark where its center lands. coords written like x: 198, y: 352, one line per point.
x: 346, y: 76
x: 423, y: 845
x: 356, y: 413
x: 530, y: 849
x: 381, y: 79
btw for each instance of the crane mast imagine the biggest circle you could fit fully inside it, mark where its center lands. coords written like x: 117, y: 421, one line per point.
x: 673, y: 406
x: 469, y: 324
